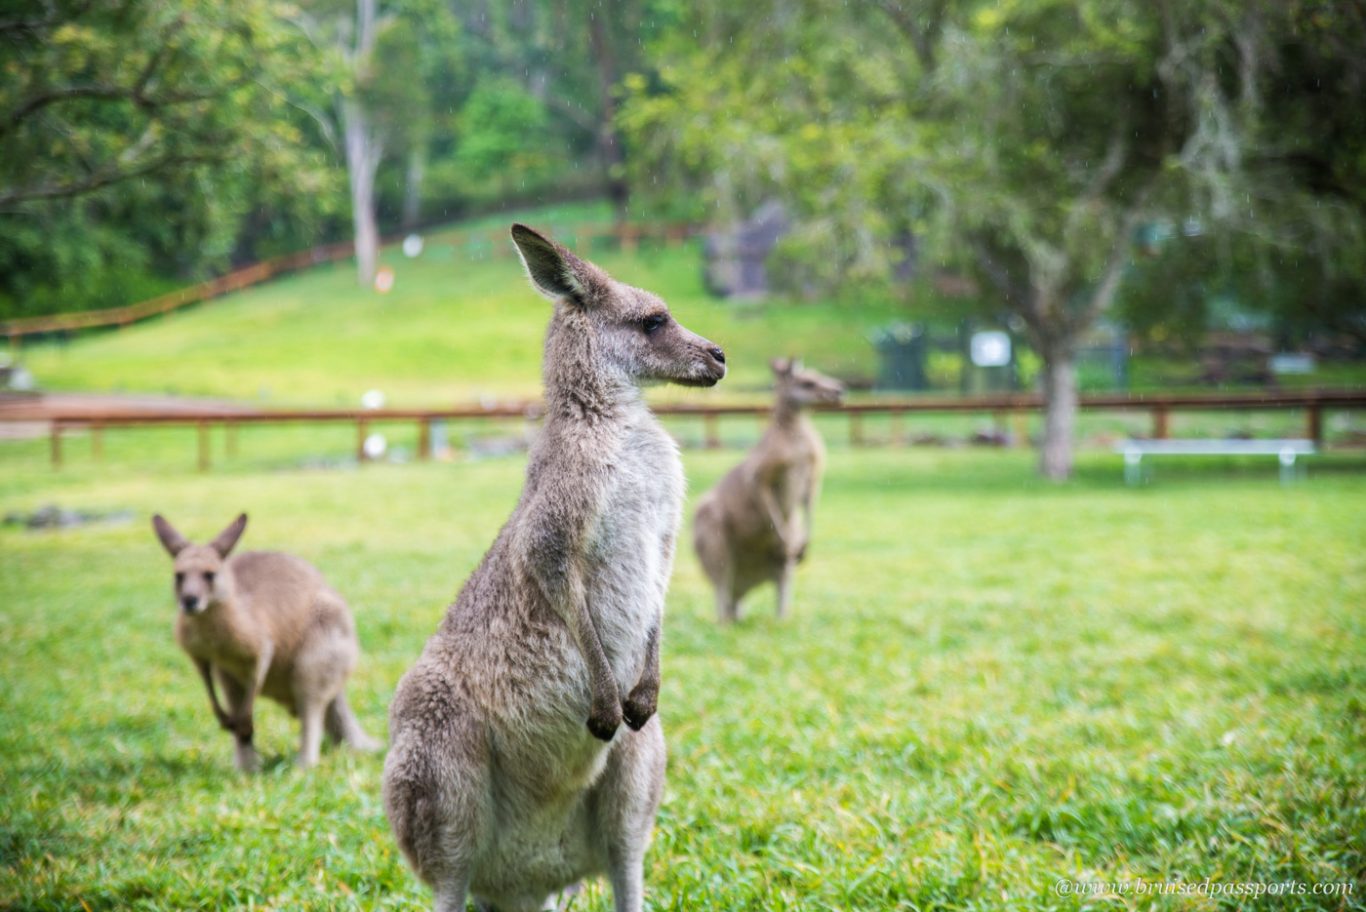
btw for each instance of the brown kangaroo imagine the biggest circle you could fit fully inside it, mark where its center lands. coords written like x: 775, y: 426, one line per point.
x: 262, y: 622
x: 754, y: 526
x: 509, y: 776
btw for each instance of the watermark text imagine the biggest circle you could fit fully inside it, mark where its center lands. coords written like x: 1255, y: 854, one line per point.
x: 1251, y: 889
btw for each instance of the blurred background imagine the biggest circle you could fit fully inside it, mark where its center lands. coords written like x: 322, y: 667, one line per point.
x: 929, y: 196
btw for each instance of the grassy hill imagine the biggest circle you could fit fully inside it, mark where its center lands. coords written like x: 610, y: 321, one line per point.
x: 460, y: 324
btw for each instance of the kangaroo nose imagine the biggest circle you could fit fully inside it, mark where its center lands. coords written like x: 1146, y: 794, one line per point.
x: 189, y: 602
x: 719, y: 355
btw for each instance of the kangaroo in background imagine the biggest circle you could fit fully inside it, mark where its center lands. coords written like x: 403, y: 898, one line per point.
x: 508, y: 775
x: 262, y: 622
x: 747, y: 530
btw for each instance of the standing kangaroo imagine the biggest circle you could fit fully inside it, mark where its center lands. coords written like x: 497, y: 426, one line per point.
x: 508, y: 775
x: 747, y: 530
x: 262, y: 622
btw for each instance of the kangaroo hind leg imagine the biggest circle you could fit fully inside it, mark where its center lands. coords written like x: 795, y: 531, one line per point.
x: 342, y: 727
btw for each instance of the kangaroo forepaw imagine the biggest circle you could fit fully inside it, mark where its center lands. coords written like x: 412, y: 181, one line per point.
x: 638, y: 707
x: 603, y: 722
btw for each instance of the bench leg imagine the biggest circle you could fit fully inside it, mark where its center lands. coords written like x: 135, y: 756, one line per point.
x: 1133, y: 468
x: 1287, y: 461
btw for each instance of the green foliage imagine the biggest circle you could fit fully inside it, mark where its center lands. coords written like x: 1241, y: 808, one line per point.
x: 67, y: 262
x: 1166, y: 686
x: 132, y: 139
x: 1020, y: 141
x: 1184, y: 286
x: 499, y: 151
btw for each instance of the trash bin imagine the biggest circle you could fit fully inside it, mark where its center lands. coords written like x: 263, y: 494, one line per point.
x: 903, y: 349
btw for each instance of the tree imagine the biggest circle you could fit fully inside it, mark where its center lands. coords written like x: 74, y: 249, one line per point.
x: 363, y: 141
x: 130, y: 134
x: 97, y: 94
x: 1023, y: 141
x: 344, y: 32
x: 571, y: 57
x: 378, y: 104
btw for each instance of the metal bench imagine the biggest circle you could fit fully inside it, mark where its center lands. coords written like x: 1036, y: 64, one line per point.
x: 1286, y: 451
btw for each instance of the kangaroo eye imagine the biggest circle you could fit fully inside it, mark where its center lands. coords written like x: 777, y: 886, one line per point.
x: 652, y: 323
x: 179, y: 578
x: 208, y: 578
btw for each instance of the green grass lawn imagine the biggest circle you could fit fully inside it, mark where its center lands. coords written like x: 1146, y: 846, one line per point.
x: 988, y: 684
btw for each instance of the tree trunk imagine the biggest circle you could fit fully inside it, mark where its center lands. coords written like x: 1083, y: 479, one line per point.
x: 362, y: 151
x: 1059, y: 411
x: 362, y: 160
x: 609, y: 140
x: 414, y: 172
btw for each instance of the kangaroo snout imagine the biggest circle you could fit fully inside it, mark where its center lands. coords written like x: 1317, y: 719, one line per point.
x: 190, y: 604
x: 712, y: 367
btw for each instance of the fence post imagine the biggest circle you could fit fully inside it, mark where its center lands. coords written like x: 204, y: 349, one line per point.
x: 856, y: 429
x: 202, y: 427
x: 361, y: 428
x: 712, y: 437
x: 56, y: 444
x: 424, y: 439
x: 230, y: 438
x: 1314, y: 424
x: 898, y: 431
x: 1160, y: 426
x: 97, y: 440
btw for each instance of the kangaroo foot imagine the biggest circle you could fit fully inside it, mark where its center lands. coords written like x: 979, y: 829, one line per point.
x: 245, y: 758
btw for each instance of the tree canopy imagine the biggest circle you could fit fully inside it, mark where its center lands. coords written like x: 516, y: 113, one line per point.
x: 1023, y: 142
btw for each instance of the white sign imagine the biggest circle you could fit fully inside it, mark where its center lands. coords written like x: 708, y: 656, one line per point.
x: 1292, y: 363
x: 412, y: 246
x: 990, y: 349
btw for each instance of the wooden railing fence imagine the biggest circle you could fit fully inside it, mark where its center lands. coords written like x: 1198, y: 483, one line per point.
x: 1314, y: 403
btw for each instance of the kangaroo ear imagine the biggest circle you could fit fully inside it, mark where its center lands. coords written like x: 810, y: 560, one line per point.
x: 171, y: 540
x: 781, y: 366
x: 227, y: 539
x: 554, y: 271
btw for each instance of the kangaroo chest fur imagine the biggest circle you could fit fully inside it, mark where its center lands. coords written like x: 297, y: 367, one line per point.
x: 627, y: 555
x: 799, y: 457
x: 630, y: 544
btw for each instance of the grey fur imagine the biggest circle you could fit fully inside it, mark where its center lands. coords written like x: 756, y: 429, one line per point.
x: 754, y: 526
x: 509, y: 776
x: 262, y: 622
